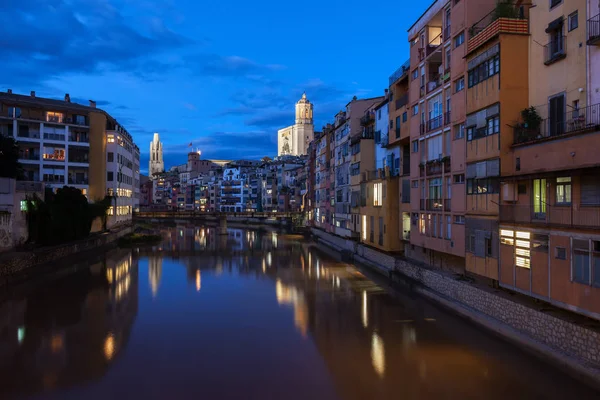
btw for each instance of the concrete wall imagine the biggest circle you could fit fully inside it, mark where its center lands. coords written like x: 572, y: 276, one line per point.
x: 15, y: 265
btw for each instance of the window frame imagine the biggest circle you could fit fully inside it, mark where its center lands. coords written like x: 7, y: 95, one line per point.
x: 574, y: 16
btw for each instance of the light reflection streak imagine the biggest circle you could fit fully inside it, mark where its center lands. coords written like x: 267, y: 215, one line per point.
x: 365, y: 316
x: 378, y: 354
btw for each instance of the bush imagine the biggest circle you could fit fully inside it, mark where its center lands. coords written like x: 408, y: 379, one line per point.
x: 63, y: 217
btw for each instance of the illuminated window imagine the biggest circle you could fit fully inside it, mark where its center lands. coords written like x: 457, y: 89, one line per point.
x: 54, y: 117
x: 378, y: 194
x: 110, y: 139
x: 364, y: 228
x: 563, y: 190
x: 23, y: 205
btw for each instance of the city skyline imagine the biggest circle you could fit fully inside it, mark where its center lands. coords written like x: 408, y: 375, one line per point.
x: 238, y: 90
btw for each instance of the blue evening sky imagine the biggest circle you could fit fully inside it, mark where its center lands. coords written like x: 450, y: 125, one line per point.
x: 223, y: 75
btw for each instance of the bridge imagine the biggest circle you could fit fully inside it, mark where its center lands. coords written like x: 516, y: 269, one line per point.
x: 273, y: 218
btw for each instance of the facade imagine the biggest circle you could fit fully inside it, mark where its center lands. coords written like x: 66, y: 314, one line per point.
x: 550, y: 185
x: 347, y: 126
x: 234, y: 190
x: 294, y: 140
x: 122, y: 174
x: 438, y: 45
x: 60, y: 143
x: 156, y: 163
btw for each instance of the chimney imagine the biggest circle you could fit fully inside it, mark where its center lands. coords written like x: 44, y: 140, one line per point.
x: 9, y: 91
x: 92, y: 104
x: 67, y: 98
x: 33, y: 93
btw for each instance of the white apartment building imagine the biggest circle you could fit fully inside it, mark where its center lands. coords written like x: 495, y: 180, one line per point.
x: 234, y: 190
x: 122, y: 173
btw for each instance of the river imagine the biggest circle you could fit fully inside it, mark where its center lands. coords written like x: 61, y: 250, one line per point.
x: 251, y: 315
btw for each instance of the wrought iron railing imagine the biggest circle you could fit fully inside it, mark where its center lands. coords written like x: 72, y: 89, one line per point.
x: 579, y: 120
x: 402, y: 101
x: 593, y: 30
x: 404, y: 68
x: 434, y: 123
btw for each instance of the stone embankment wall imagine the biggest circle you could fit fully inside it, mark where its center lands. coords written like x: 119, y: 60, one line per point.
x: 17, y: 263
x: 571, y: 345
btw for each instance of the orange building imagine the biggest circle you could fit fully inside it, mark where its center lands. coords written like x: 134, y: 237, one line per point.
x: 438, y: 42
x: 550, y: 186
x: 496, y: 91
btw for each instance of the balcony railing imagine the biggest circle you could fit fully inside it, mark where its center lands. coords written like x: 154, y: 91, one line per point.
x: 402, y: 101
x: 434, y: 168
x: 447, y: 164
x: 422, y: 129
x: 29, y: 134
x: 29, y: 156
x: 447, y: 32
x: 555, y: 50
x: 54, y: 136
x: 80, y: 181
x: 510, y: 12
x: 580, y: 120
x: 435, y: 204
x: 404, y: 68
x: 79, y: 138
x: 434, y: 123
x: 434, y: 83
x: 435, y: 43
x: 447, y: 118
x: 551, y: 215
x: 593, y: 30
x: 367, y: 119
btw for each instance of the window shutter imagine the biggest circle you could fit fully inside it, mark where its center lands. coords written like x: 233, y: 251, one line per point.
x: 481, y: 170
x: 471, y: 171
x: 590, y: 190
x: 493, y: 168
x: 479, y: 243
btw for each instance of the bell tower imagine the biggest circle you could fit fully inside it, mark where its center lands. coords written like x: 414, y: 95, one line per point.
x: 304, y: 111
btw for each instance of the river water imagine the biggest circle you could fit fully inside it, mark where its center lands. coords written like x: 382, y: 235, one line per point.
x: 250, y: 315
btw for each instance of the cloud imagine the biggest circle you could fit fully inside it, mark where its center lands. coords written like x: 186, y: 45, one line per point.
x: 229, y: 66
x: 42, y: 40
x: 272, y: 119
x: 189, y: 106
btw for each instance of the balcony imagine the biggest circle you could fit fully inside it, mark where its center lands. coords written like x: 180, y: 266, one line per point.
x: 399, y: 73
x: 434, y: 83
x: 367, y: 119
x: 572, y: 216
x: 402, y: 101
x: 79, y: 138
x: 593, y: 31
x: 433, y: 168
x: 434, y: 123
x: 54, y: 136
x: 435, y: 204
x: 433, y: 45
x: 29, y: 155
x: 78, y: 181
x: 576, y: 121
x: 491, y: 26
x: 556, y: 50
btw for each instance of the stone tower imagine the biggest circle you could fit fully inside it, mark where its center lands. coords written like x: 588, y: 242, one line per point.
x: 157, y: 164
x: 304, y: 111
x: 294, y: 140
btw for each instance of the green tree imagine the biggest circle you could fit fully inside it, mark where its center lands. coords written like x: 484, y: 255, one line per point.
x: 9, y: 158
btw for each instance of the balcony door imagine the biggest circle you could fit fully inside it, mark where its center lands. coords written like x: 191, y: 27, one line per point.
x: 556, y: 114
x: 539, y: 198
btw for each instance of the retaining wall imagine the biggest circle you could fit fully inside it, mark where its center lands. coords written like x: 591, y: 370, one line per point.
x: 17, y: 263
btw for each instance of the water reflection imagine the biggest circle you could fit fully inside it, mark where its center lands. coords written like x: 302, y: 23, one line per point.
x: 68, y: 331
x: 251, y: 314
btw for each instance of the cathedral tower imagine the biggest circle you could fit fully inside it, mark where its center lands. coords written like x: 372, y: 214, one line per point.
x: 294, y: 140
x: 157, y: 164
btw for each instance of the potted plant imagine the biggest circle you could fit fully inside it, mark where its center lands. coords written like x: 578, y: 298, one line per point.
x: 505, y: 9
